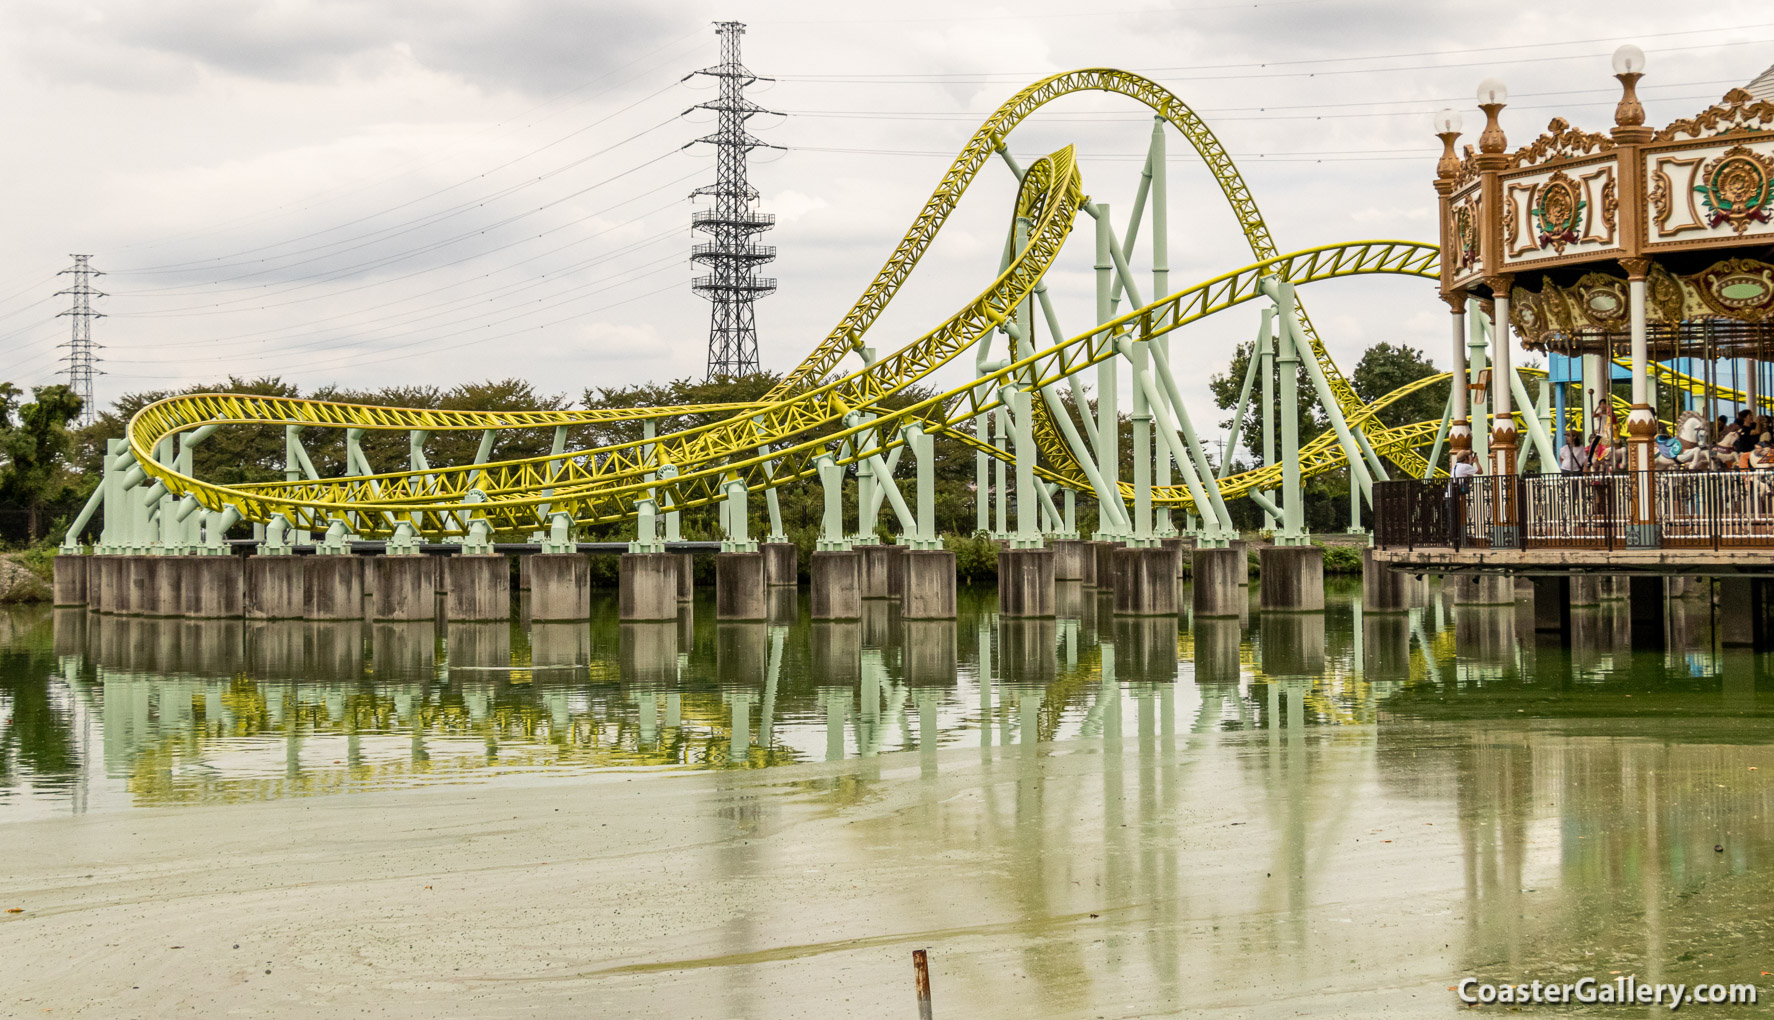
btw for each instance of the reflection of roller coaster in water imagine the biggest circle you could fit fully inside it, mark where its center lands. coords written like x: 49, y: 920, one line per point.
x: 812, y: 426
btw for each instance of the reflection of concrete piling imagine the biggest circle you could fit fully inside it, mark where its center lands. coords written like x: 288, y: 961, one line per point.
x: 928, y: 584
x: 837, y: 652
x: 560, y: 586
x: 1025, y: 582
x: 648, y: 653
x: 784, y: 608
x: 68, y: 631
x: 1293, y: 578
x: 742, y: 652
x: 647, y: 587
x: 478, y: 643
x: 560, y: 644
x: 477, y: 588
x: 404, y: 649
x: 739, y: 586
x: 1025, y: 650
x: 1146, y: 582
x: 1146, y: 648
x: 1217, y: 641
x: 69, y: 582
x: 836, y: 580
x: 1386, y: 646
x: 1645, y: 603
x: 274, y: 587
x: 1486, y: 634
x: 928, y: 656
x: 1293, y: 643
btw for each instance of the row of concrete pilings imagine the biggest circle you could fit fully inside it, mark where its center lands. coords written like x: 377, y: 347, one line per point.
x: 1143, y: 581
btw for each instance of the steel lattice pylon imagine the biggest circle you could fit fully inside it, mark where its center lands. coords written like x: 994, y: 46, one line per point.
x: 732, y: 257
x: 81, y: 358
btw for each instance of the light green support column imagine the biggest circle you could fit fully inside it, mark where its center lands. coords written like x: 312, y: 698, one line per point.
x: 1441, y: 437
x: 1142, y: 453
x: 1108, y: 414
x: 735, y: 520
x: 1028, y: 533
x: 1266, y: 348
x: 1000, y: 494
x: 1477, y: 360
x: 982, y: 475
x: 1293, y: 525
x: 1171, y: 402
x: 1163, y: 526
x: 923, y: 448
x: 831, y: 526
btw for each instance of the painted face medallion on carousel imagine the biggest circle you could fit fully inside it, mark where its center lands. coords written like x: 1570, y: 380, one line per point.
x: 1558, y: 212
x: 1736, y: 188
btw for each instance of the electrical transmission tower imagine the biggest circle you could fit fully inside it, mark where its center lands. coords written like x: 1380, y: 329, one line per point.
x: 733, y: 256
x: 81, y: 359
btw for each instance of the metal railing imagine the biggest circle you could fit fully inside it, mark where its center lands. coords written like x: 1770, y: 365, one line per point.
x: 1694, y: 510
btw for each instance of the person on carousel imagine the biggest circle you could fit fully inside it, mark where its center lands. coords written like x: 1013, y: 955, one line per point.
x: 1761, y: 458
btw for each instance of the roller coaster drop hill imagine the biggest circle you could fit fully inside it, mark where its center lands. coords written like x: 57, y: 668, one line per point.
x: 823, y: 420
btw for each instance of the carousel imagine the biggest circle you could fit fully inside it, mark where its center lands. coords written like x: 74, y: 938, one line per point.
x: 1640, y: 264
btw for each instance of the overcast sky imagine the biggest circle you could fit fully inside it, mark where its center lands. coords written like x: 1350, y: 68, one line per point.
x: 363, y: 191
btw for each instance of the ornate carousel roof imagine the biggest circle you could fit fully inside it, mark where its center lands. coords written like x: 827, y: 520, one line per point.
x: 1565, y: 219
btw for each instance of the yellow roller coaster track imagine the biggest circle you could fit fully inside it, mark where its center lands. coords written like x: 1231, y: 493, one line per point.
x: 803, y: 415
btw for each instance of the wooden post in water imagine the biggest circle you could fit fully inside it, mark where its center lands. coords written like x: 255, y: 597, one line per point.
x: 921, y: 967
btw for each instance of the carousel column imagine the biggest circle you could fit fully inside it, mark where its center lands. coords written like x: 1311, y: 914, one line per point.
x: 1503, y: 432
x: 1641, y: 424
x: 1460, y: 429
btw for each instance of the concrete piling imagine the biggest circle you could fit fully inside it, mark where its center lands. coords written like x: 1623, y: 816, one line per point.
x: 69, y: 582
x: 1383, y: 590
x: 883, y: 569
x: 477, y: 588
x: 782, y: 564
x: 1102, y: 555
x: 740, y: 586
x: 332, y: 588
x: 1025, y: 582
x: 836, y: 578
x: 647, y: 587
x: 404, y: 588
x: 1145, y: 582
x: 1069, y: 555
x: 210, y: 586
x: 274, y: 587
x: 929, y: 585
x: 1214, y: 582
x: 1293, y: 578
x: 560, y: 586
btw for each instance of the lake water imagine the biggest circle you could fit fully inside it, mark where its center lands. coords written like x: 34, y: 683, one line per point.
x: 1334, y: 813
x: 102, y: 712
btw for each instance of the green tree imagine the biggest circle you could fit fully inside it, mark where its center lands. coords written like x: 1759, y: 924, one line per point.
x: 35, y: 441
x: 1227, y: 385
x: 1386, y: 367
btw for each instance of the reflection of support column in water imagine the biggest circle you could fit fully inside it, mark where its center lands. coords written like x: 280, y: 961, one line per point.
x: 837, y: 708
x: 928, y: 700
x: 739, y: 741
x: 986, y: 679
